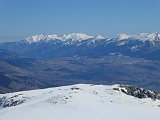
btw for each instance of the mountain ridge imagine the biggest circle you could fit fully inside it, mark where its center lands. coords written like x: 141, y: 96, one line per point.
x: 82, y: 36
x: 48, y: 63
x: 144, y: 45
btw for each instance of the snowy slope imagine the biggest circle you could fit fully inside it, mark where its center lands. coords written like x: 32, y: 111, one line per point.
x: 81, y: 36
x: 141, y: 36
x: 79, y: 102
x: 53, y: 37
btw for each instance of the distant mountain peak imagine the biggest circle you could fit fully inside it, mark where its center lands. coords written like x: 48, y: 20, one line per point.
x: 142, y: 36
x: 150, y: 36
x: 40, y: 37
x: 123, y: 36
x: 77, y: 36
x: 49, y: 37
x: 81, y: 36
x: 99, y: 37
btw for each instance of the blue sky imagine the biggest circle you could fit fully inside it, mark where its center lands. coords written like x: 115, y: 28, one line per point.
x: 22, y: 18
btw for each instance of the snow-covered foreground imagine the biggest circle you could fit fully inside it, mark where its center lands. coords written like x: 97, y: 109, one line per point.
x: 77, y: 102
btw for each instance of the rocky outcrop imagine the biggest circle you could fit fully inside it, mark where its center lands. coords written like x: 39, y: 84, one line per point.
x: 138, y: 92
x: 11, y: 101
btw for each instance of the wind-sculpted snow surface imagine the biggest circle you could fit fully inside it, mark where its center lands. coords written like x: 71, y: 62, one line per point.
x: 78, y: 102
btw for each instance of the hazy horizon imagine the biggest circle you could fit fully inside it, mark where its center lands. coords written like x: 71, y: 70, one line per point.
x: 21, y: 18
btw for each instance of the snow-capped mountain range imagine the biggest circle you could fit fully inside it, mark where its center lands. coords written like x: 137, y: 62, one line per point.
x: 144, y: 45
x: 46, y: 37
x: 80, y: 102
x: 141, y: 36
x: 80, y: 37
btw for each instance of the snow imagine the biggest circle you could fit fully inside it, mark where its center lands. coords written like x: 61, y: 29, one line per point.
x: 80, y: 102
x: 123, y: 36
x: 149, y: 36
x: 99, y: 37
x: 42, y: 37
x: 47, y: 37
x: 135, y: 48
x: 141, y: 36
x: 122, y: 43
x: 79, y: 37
